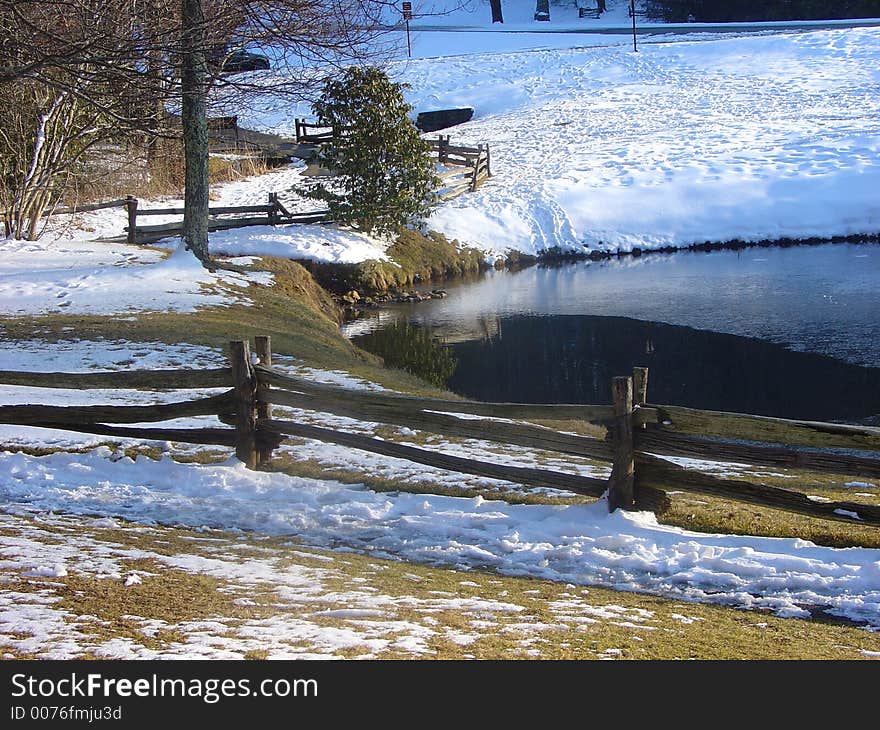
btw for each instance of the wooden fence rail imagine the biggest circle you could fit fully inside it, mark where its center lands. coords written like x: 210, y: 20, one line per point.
x: 469, y: 168
x: 272, y: 213
x: 303, y: 135
x: 638, y: 435
x: 83, y: 208
x: 471, y: 165
x: 474, y: 161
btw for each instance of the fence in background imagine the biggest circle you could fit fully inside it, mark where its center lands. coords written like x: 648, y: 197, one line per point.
x: 322, y: 132
x: 637, y: 433
x: 469, y: 167
x: 220, y: 218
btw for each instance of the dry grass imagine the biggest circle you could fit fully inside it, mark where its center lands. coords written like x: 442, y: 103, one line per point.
x: 116, y: 173
x: 551, y: 620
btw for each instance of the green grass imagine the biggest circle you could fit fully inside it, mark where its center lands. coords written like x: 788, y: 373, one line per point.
x: 415, y: 258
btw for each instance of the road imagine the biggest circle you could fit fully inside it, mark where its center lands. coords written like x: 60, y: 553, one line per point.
x: 659, y: 29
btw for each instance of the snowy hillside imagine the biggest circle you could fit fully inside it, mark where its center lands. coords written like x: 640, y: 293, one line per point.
x: 694, y: 138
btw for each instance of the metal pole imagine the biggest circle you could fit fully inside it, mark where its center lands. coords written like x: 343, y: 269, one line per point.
x: 632, y: 11
x: 408, y: 44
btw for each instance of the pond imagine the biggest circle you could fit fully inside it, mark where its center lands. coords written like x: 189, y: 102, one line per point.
x: 791, y: 332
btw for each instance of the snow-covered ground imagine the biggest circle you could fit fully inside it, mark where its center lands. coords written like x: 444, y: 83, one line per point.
x: 592, y: 148
x: 750, y: 138
x: 69, y: 270
x: 699, y: 136
x: 694, y: 138
x: 580, y: 544
x: 93, y: 277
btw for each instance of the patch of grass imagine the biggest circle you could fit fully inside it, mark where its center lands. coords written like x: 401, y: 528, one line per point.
x: 733, y: 426
x: 415, y: 257
x: 169, y: 595
x: 706, y: 513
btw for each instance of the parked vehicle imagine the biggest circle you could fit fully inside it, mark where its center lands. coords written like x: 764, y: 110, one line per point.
x: 241, y: 60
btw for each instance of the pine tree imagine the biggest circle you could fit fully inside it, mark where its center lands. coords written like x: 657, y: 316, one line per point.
x: 383, y: 175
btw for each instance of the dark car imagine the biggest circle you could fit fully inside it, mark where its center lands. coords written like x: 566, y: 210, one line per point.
x: 238, y: 61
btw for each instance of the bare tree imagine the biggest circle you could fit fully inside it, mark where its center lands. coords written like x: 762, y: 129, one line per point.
x: 73, y: 75
x: 126, y: 63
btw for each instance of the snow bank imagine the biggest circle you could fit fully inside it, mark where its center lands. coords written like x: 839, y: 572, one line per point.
x: 94, y: 277
x: 315, y: 243
x: 746, y: 138
x: 580, y: 543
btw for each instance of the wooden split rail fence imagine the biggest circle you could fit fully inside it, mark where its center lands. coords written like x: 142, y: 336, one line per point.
x: 320, y: 134
x: 469, y: 166
x: 638, y: 432
x: 271, y: 213
x: 69, y: 210
x: 221, y: 218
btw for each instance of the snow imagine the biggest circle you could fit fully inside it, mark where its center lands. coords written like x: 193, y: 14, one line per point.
x: 325, y: 244
x: 594, y: 148
x: 92, y: 277
x: 699, y: 137
x: 580, y: 544
x: 42, y: 571
x: 750, y: 138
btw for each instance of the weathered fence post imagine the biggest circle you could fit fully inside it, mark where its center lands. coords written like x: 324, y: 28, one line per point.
x: 442, y: 144
x: 273, y: 208
x: 131, y: 205
x: 621, y: 485
x: 244, y: 388
x: 263, y: 348
x: 640, y: 388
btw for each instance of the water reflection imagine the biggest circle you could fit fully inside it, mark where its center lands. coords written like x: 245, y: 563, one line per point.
x: 573, y: 358
x: 786, y: 332
x: 414, y: 349
x: 823, y: 299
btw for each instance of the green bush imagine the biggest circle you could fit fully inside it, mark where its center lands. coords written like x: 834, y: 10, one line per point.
x: 383, y: 175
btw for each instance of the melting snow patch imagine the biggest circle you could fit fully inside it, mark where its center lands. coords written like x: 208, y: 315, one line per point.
x: 56, y: 571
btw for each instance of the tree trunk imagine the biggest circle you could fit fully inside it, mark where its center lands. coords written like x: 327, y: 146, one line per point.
x: 194, y: 86
x: 542, y: 10
x: 496, y: 11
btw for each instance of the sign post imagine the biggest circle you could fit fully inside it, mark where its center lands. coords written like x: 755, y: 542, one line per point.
x: 632, y: 11
x: 406, y: 9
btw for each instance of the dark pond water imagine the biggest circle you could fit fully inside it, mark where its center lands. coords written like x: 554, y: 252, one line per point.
x: 792, y: 332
